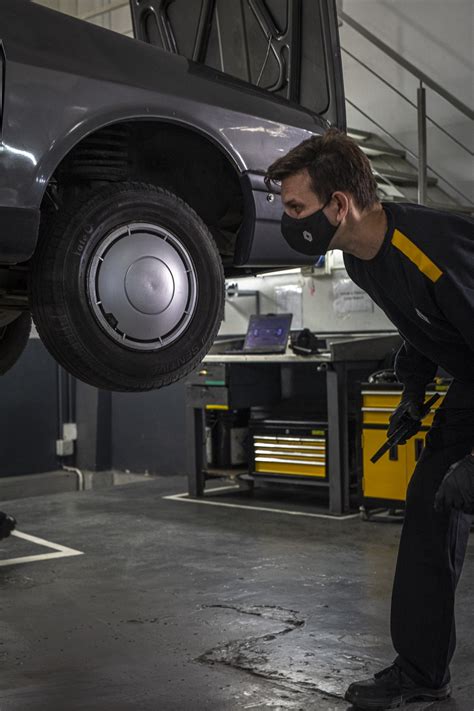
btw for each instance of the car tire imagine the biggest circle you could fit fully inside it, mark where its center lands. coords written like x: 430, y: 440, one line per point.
x: 13, y: 340
x: 127, y: 287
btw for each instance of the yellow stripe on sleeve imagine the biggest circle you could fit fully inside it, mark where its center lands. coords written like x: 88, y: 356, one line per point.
x: 415, y: 255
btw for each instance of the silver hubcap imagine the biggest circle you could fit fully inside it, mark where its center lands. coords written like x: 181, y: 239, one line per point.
x: 142, y: 286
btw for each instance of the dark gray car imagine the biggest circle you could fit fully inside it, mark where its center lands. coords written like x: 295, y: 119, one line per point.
x: 131, y: 172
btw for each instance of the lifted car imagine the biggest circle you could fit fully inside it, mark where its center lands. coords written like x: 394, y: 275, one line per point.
x: 131, y: 172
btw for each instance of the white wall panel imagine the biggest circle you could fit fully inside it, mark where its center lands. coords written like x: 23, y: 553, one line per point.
x: 437, y: 36
x: 319, y: 312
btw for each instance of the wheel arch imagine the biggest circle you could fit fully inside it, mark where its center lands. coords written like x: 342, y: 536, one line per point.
x: 168, y: 152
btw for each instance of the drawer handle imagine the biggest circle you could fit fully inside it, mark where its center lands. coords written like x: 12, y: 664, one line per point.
x: 270, y: 452
x: 419, y: 444
x: 276, y: 460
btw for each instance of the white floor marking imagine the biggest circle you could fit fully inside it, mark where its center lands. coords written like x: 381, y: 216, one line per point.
x: 207, y: 502
x: 59, y: 551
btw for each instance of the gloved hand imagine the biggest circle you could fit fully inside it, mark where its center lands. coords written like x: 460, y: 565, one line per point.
x: 408, y: 411
x: 7, y: 524
x: 457, y: 488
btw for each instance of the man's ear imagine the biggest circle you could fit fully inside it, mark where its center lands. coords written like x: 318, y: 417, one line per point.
x: 339, y: 206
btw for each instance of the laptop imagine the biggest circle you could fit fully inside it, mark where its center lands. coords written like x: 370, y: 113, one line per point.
x: 266, y: 334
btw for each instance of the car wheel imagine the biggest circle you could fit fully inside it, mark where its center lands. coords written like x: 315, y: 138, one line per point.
x: 127, y: 288
x: 14, y: 335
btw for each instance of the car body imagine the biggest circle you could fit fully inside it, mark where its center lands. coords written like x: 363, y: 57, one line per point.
x: 82, y: 106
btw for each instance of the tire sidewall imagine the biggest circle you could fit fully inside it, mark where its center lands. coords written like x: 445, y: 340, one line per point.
x: 95, y: 222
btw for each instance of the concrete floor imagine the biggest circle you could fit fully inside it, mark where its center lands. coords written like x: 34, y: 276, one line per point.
x: 181, y: 606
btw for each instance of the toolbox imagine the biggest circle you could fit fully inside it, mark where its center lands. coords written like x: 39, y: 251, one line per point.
x: 289, y: 448
x: 385, y: 482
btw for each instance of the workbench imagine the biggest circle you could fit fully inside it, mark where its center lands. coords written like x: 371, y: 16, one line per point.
x: 244, y: 381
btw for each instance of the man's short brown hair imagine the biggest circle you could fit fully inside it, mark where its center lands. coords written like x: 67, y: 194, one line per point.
x: 334, y: 162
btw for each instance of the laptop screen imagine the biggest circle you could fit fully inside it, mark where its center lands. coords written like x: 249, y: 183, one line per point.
x: 268, y: 333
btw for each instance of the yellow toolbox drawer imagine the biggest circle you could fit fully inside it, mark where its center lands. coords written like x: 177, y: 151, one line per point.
x: 387, y: 479
x: 273, y: 465
x: 381, y: 399
x: 285, y: 453
x: 414, y: 448
x: 377, y: 407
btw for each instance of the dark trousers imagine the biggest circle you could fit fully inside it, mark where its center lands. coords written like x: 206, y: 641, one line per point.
x: 432, y: 549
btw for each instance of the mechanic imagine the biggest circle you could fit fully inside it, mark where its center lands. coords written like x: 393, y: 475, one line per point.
x: 417, y: 264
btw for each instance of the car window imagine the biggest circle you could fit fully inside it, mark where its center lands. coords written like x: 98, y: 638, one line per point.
x: 111, y: 14
x: 261, y: 42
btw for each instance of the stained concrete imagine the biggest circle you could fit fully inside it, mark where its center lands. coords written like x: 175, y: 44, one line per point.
x: 181, y: 606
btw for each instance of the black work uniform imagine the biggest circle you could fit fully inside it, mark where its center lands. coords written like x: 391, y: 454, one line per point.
x: 423, y: 279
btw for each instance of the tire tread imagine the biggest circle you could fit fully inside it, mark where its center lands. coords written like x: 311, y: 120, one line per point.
x: 62, y: 341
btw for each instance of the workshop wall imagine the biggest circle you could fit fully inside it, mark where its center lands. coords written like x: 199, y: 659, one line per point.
x: 139, y: 432
x: 324, y: 303
x: 437, y: 37
x: 29, y: 414
x: 118, y: 19
x: 147, y: 431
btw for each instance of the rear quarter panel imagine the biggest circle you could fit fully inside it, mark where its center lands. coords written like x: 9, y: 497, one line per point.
x: 65, y: 78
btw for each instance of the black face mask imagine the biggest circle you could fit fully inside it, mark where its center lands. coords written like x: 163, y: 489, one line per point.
x: 309, y: 235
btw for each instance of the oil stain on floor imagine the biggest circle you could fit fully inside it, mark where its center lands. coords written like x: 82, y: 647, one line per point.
x: 311, y: 671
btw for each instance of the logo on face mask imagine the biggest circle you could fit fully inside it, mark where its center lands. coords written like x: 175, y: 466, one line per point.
x: 309, y: 235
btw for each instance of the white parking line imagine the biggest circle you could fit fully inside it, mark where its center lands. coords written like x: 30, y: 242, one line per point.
x: 59, y: 551
x: 208, y: 502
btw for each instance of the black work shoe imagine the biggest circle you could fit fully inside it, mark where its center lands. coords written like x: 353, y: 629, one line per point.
x: 7, y: 524
x: 391, y: 688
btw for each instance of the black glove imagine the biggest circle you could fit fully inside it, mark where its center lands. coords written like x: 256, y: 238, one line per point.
x: 457, y: 488
x: 408, y: 412
x: 305, y: 344
x: 7, y: 524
